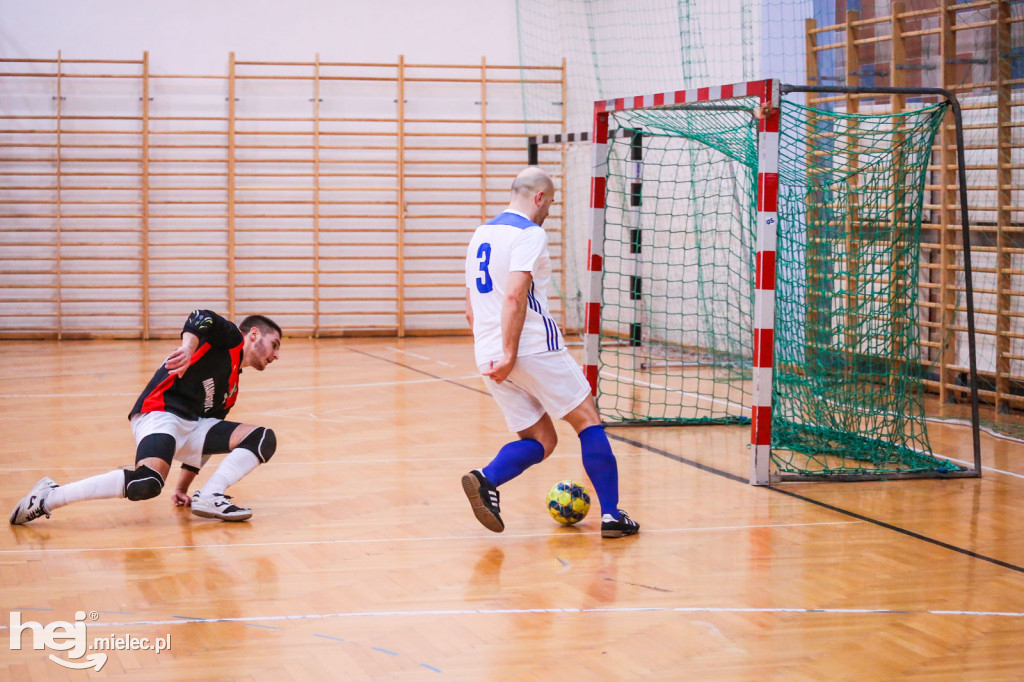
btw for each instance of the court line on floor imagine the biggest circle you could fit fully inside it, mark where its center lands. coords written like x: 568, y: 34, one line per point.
x: 983, y: 468
x: 984, y: 429
x: 434, y: 613
x: 903, y: 531
x: 450, y: 538
x: 420, y: 371
x: 421, y: 357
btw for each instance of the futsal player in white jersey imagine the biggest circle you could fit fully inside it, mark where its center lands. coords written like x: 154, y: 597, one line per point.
x: 522, y: 357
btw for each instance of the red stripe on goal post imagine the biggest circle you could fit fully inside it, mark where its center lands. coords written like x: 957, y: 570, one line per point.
x: 593, y: 322
x: 768, y: 192
x: 764, y: 342
x: 597, y: 191
x: 758, y: 88
x: 601, y: 128
x: 761, y: 425
x: 765, y: 275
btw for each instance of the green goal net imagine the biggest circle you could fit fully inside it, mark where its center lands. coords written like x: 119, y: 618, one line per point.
x: 677, y: 305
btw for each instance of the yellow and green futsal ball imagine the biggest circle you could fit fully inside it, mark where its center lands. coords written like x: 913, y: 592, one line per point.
x: 568, y: 502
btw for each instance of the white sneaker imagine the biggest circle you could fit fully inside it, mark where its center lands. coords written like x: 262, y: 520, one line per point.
x: 218, y: 506
x: 31, y: 506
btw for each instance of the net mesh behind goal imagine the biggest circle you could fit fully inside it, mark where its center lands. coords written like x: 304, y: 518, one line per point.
x: 678, y: 284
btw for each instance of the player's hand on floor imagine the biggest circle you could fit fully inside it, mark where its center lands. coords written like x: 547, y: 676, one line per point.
x: 181, y: 499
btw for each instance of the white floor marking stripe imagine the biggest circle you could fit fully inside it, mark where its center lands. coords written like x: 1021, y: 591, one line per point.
x: 450, y: 538
x: 571, y: 610
x: 369, y: 385
x: 981, y: 427
x: 422, y: 357
x: 984, y: 468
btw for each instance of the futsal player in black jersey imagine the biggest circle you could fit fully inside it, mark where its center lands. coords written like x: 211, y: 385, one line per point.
x: 181, y: 415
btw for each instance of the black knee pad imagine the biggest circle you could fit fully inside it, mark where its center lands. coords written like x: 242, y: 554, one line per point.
x: 159, y: 445
x: 142, y: 483
x: 218, y: 438
x: 260, y: 442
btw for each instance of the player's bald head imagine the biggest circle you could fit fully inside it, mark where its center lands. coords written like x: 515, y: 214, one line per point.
x: 532, y: 180
x: 532, y: 194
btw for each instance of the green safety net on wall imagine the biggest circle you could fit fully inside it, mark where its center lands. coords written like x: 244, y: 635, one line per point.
x: 677, y: 308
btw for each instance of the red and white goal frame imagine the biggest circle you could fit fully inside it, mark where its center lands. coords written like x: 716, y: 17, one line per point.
x: 767, y: 221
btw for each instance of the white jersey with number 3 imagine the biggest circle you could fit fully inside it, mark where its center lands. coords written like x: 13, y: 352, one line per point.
x: 511, y: 242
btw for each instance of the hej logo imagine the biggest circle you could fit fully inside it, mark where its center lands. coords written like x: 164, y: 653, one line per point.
x: 58, y: 636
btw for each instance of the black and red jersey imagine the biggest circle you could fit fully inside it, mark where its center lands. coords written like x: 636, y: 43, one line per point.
x: 209, y: 386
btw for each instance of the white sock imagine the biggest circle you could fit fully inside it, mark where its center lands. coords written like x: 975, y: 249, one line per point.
x: 103, y: 486
x: 237, y: 464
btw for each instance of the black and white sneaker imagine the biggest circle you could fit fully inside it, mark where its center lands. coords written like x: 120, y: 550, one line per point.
x: 484, y: 498
x: 610, y: 528
x: 32, y: 505
x: 218, y: 506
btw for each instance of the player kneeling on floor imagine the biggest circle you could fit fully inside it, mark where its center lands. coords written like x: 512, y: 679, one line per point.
x: 180, y: 416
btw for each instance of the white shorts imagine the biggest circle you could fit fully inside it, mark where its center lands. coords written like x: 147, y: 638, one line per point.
x: 189, y: 436
x: 545, y: 382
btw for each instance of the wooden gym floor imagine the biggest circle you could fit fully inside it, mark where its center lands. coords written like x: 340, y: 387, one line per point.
x: 363, y: 560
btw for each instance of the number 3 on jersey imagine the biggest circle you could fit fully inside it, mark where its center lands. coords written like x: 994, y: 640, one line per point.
x: 484, y: 284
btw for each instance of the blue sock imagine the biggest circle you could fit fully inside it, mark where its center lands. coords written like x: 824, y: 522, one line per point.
x: 601, y: 467
x: 513, y: 459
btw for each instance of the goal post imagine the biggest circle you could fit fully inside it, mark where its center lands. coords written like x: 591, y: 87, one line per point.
x: 694, y: 259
